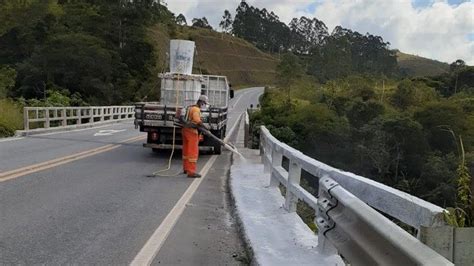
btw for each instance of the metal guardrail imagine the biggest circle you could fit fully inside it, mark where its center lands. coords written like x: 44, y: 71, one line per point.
x: 362, y: 235
x: 57, y: 117
x: 359, y: 227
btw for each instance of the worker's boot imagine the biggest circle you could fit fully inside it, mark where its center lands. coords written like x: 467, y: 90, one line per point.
x: 194, y: 175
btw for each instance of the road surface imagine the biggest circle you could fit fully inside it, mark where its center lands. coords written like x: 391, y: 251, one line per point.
x: 84, y: 197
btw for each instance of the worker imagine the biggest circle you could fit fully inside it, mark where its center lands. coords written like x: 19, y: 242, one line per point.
x: 191, y: 136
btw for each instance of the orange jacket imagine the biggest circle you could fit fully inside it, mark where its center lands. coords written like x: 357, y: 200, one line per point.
x: 193, y: 116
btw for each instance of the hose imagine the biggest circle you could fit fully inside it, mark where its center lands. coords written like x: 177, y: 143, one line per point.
x: 157, y: 173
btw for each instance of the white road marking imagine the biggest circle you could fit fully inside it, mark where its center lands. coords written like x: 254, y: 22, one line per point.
x: 108, y: 132
x: 11, y: 139
x: 76, y: 130
x: 238, y: 99
x: 157, y: 239
x: 155, y: 242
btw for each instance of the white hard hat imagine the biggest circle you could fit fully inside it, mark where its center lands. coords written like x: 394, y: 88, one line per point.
x: 203, y: 98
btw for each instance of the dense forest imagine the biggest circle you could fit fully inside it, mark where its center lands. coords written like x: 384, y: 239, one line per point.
x: 62, y: 53
x: 339, y: 96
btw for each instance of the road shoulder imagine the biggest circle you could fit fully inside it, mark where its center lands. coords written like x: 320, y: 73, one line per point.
x: 206, y: 233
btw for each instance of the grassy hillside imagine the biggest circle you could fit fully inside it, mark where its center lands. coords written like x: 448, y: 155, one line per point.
x: 416, y: 66
x: 219, y: 54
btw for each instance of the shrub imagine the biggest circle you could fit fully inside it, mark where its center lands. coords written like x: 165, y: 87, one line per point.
x: 10, y: 118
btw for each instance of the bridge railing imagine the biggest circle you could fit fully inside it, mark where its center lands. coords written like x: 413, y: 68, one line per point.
x: 343, y: 214
x: 49, y: 117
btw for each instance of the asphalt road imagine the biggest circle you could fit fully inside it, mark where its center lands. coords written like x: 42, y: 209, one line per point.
x: 99, y: 207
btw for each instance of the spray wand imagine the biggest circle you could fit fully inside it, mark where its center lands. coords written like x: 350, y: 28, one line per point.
x: 231, y: 147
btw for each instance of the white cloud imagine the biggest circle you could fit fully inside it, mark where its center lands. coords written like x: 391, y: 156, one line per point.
x: 436, y: 30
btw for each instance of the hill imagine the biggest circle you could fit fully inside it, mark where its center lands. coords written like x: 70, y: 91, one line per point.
x: 219, y: 54
x: 416, y: 66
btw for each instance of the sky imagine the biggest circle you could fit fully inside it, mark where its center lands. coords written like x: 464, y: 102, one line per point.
x: 436, y: 29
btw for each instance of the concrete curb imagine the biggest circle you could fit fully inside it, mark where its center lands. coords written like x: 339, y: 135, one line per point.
x: 273, y: 235
x: 234, y: 211
x: 239, y: 224
x: 23, y: 133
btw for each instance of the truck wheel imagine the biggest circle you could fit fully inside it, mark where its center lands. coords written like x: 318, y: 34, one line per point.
x: 217, y: 149
x: 217, y: 145
x: 156, y: 150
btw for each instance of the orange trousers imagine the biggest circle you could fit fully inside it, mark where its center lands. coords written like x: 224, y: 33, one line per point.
x: 190, y: 149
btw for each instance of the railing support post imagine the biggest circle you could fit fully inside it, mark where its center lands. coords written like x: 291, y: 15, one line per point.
x: 267, y: 164
x: 46, y: 117
x: 26, y: 122
x: 63, y: 116
x: 79, y: 116
x: 294, y: 176
x: 102, y: 114
x: 91, y: 114
x: 277, y: 158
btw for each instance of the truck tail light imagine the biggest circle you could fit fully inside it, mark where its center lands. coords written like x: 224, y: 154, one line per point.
x: 154, y: 136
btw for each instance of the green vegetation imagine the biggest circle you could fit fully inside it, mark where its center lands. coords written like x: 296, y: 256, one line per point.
x: 95, y: 49
x: 11, y: 118
x: 402, y: 132
x: 342, y: 98
x: 76, y: 52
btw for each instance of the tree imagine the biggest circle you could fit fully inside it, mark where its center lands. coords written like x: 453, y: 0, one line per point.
x: 226, y: 23
x: 289, y: 70
x: 456, y: 65
x: 201, y: 23
x: 181, y: 20
x: 307, y: 33
x: 404, y: 95
x: 440, y: 120
x: 7, y: 80
x: 262, y: 28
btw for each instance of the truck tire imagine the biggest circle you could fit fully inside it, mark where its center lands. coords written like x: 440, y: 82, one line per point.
x: 217, y: 145
x: 217, y: 148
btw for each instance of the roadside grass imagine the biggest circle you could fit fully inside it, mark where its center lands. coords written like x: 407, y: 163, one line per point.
x: 11, y: 118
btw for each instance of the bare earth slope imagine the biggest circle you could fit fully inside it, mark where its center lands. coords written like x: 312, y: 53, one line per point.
x: 220, y: 54
x: 416, y: 66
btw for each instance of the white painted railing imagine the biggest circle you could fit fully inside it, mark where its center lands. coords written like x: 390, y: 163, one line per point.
x: 57, y: 117
x: 347, y: 222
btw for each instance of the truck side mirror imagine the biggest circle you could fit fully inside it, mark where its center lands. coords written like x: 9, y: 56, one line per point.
x: 231, y: 92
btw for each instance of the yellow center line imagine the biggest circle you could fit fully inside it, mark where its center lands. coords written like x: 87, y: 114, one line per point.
x: 4, y: 176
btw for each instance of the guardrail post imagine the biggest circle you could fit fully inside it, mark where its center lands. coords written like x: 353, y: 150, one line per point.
x: 325, y: 203
x: 277, y: 158
x: 294, y: 176
x: 26, y: 121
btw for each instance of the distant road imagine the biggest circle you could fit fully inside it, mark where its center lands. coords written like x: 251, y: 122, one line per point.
x: 84, y: 196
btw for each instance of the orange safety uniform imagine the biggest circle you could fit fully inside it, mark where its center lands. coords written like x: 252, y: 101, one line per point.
x: 191, y: 140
